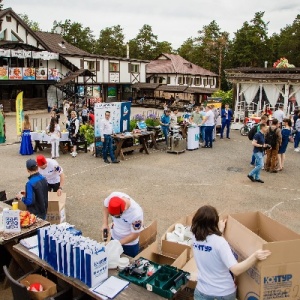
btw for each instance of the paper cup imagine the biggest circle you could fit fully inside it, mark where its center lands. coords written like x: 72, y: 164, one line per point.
x: 15, y: 205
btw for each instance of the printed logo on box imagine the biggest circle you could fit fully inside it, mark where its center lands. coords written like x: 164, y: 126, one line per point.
x: 278, y: 279
x: 252, y: 296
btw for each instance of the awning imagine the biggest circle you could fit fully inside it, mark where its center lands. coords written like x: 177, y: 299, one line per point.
x: 145, y: 86
x: 198, y: 90
x: 172, y: 88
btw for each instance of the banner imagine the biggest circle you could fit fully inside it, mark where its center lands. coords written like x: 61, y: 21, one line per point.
x: 19, y: 113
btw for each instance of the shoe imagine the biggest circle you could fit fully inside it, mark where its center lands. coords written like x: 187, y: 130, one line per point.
x: 107, y: 161
x: 229, y: 138
x: 259, y: 180
x: 267, y: 170
x: 115, y: 161
x: 274, y: 171
x: 204, y: 146
x: 74, y: 154
x: 252, y: 165
x: 297, y: 150
x: 251, y: 178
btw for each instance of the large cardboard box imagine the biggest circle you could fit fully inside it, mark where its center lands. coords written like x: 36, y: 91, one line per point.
x: 185, y: 221
x: 148, y: 235
x: 278, y: 277
x: 56, y: 213
x: 167, y: 255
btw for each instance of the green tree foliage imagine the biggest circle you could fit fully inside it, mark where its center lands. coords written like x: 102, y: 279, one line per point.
x: 188, y: 50
x: 251, y: 46
x: 288, y: 42
x: 77, y: 35
x: 111, y: 42
x: 227, y: 96
x: 32, y: 24
x: 163, y: 47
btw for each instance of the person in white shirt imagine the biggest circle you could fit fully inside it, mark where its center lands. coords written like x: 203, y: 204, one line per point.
x: 73, y: 128
x: 174, y: 118
x: 279, y: 115
x: 127, y: 217
x: 214, y: 258
x: 54, y: 131
x: 209, y: 121
x: 106, y: 130
x: 53, y: 173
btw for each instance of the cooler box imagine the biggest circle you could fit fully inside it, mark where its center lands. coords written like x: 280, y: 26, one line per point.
x: 193, y: 135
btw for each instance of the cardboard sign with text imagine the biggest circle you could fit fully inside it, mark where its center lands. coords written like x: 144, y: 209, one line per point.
x: 56, y: 213
x: 277, y: 277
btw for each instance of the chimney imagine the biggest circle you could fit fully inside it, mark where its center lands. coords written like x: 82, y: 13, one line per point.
x: 127, y: 50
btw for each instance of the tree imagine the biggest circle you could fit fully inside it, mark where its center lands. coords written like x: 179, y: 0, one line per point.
x: 77, y: 35
x: 251, y: 46
x: 144, y: 44
x: 163, y: 47
x: 188, y: 50
x: 111, y: 42
x: 227, y: 97
x: 32, y: 24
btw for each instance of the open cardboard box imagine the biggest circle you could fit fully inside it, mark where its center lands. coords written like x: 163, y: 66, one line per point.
x: 167, y: 255
x: 185, y: 221
x: 277, y: 277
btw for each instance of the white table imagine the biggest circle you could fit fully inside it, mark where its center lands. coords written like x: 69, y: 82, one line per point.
x: 44, y: 137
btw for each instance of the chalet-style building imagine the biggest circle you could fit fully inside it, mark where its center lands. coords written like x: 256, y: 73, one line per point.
x: 257, y: 87
x: 48, y: 69
x: 172, y: 75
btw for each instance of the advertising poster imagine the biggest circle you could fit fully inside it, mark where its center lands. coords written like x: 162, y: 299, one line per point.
x: 29, y: 73
x: 4, y: 73
x: 19, y: 113
x: 114, y: 77
x: 41, y: 74
x: 80, y: 90
x: 53, y: 74
x: 112, y: 92
x: 119, y: 115
x: 96, y: 91
x: 15, y: 73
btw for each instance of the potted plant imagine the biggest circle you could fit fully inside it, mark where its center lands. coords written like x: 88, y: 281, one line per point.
x: 88, y: 132
x: 152, y: 122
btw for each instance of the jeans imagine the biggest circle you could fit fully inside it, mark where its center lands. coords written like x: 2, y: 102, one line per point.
x: 199, y: 296
x: 202, y: 132
x: 259, y: 162
x: 107, y: 146
x: 209, y: 135
x: 252, y: 160
x: 225, y: 123
x: 165, y: 130
x: 297, y: 139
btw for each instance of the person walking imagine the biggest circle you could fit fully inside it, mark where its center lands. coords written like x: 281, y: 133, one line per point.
x: 286, y: 133
x: 214, y: 257
x: 258, y: 152
x: 226, y: 115
x: 55, y: 135
x: 106, y: 130
x: 127, y: 217
x: 73, y: 128
x: 26, y: 145
x: 53, y: 173
x: 35, y: 195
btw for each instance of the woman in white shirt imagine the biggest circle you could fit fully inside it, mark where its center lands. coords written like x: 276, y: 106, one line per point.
x: 54, y: 132
x: 209, y: 122
x: 214, y: 258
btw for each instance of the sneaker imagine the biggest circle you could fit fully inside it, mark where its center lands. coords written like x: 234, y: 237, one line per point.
x: 107, y: 161
x: 259, y: 180
x: 74, y: 154
x: 251, y: 178
x: 297, y: 149
x: 115, y: 161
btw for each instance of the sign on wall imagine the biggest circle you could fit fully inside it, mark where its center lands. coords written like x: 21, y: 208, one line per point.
x: 114, y: 77
x: 119, y: 115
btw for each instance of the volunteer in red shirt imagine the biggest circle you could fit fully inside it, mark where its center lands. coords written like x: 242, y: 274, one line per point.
x: 214, y: 258
x: 127, y: 217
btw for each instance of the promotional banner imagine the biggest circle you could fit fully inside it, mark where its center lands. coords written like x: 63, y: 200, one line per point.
x: 119, y: 115
x: 29, y: 73
x: 19, y: 112
x: 4, y: 73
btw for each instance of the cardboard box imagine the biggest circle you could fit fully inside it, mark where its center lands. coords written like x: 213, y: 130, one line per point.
x: 148, y: 235
x: 56, y: 213
x: 167, y: 255
x: 186, y: 221
x: 278, y: 277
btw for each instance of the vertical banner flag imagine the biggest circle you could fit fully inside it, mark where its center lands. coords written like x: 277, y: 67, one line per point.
x: 19, y: 112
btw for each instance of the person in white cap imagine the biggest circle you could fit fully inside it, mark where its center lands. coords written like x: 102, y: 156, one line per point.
x: 127, y: 217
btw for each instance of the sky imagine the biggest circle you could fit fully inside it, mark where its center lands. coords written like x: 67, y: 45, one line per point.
x: 171, y: 20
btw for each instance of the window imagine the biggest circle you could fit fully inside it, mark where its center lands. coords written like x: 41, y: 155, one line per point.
x: 3, y: 35
x: 204, y: 81
x: 8, y: 18
x: 155, y: 79
x: 168, y: 80
x: 197, y: 81
x: 179, y: 80
x: 15, y: 38
x: 134, y: 68
x: 113, y: 67
x: 161, y: 79
x: 91, y: 65
x: 211, y: 81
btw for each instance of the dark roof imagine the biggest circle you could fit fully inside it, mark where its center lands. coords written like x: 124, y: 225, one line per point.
x: 172, y: 88
x: 263, y: 74
x: 73, y: 75
x: 198, y: 90
x: 175, y: 64
x: 145, y: 86
x: 18, y: 45
x: 52, y: 40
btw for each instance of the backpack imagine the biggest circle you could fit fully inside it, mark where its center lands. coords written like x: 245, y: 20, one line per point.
x: 271, y: 137
x: 252, y: 132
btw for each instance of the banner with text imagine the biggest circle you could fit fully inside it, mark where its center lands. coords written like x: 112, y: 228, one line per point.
x: 19, y: 112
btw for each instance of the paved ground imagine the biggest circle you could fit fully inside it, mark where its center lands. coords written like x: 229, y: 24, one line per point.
x: 166, y: 185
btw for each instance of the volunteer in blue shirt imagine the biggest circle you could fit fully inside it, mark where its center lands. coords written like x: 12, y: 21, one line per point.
x: 214, y: 258
x: 258, y: 151
x: 165, y: 122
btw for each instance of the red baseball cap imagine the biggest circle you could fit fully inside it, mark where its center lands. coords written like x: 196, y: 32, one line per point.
x: 41, y: 160
x: 116, y: 206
